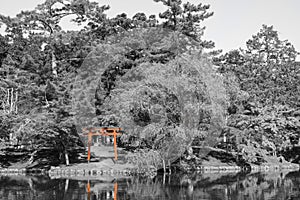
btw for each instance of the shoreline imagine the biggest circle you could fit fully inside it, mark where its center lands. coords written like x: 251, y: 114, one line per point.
x: 117, y: 170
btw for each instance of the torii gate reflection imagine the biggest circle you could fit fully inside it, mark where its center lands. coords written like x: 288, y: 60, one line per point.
x: 88, y: 188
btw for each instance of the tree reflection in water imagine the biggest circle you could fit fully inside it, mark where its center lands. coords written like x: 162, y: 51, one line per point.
x: 266, y: 186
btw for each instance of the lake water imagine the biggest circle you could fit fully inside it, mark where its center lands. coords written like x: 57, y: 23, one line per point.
x: 262, y: 186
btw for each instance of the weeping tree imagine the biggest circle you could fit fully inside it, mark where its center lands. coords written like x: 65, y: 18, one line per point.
x: 151, y: 84
x: 167, y: 106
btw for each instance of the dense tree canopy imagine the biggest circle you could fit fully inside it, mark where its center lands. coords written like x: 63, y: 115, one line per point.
x: 266, y: 69
x: 265, y: 118
x: 153, y: 92
x: 148, y: 76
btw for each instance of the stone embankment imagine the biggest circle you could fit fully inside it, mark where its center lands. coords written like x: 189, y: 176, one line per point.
x: 23, y: 171
x: 118, y: 170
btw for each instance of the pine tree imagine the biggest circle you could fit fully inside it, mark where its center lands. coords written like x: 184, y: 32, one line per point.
x: 266, y: 47
x: 186, y: 18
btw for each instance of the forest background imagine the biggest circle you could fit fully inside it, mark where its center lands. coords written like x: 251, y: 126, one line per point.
x: 161, y: 82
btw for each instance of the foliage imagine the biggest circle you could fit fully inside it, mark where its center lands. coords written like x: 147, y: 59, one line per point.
x: 266, y: 70
x: 266, y: 47
x: 262, y: 83
x: 31, y: 48
x: 150, y: 91
x: 168, y: 105
x: 269, y: 130
x: 151, y: 78
x: 186, y: 18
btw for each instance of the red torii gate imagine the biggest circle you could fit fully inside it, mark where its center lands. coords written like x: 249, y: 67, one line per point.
x: 89, y: 132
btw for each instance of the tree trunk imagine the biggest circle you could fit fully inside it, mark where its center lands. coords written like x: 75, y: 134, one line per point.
x: 67, y: 158
x: 54, y: 65
x: 169, y: 163
x: 16, y: 100
x: 67, y: 185
x: 164, y: 166
x: 11, y: 101
x: 7, y: 104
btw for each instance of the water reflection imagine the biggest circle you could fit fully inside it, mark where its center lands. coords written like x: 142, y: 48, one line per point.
x: 268, y: 186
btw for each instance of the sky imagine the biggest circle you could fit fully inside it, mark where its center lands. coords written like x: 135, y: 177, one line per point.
x: 233, y: 22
